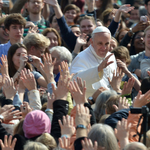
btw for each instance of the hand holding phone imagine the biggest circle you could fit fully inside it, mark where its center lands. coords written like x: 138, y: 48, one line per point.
x: 143, y: 19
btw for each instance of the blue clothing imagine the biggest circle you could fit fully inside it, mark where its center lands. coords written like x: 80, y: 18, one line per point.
x: 135, y: 61
x: 37, y: 75
x: 69, y: 37
x: 117, y: 116
x: 4, y: 49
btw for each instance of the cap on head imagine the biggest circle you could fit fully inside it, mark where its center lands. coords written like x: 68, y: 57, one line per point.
x: 101, y: 29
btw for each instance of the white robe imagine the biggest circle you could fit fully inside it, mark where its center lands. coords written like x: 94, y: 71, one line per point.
x: 85, y: 66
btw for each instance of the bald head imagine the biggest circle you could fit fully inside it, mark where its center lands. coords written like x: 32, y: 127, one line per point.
x: 135, y: 146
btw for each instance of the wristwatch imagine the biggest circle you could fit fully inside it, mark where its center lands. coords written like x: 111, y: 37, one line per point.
x: 91, y: 101
x: 2, y: 118
x: 80, y: 126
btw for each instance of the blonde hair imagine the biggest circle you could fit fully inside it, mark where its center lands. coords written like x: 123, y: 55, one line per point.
x: 37, y: 40
x: 122, y: 52
x: 88, y: 18
x: 47, y: 30
x: 19, y: 128
x: 47, y: 140
x: 2, y: 20
x: 113, y: 100
x: 34, y: 146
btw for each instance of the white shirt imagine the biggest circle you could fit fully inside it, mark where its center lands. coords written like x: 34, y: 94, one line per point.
x: 85, y: 66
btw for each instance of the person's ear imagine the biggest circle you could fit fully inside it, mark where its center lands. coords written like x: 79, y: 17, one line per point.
x: 91, y: 40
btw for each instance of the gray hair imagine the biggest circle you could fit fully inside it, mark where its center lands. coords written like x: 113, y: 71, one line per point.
x: 104, y: 135
x: 142, y: 11
x: 135, y: 146
x: 100, y: 106
x: 30, y: 145
x: 64, y: 53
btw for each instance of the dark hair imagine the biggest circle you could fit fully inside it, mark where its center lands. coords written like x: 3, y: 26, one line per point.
x: 51, y: 18
x: 145, y: 85
x: 146, y: 2
x: 12, y: 50
x: 14, y: 19
x: 71, y: 7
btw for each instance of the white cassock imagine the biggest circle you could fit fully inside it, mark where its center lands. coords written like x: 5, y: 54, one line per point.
x: 85, y: 65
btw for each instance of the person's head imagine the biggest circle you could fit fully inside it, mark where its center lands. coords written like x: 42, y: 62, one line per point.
x: 13, y: 58
x: 113, y: 43
x: 137, y: 44
x: 61, y: 53
x: 145, y: 85
x: 36, y: 44
x: 113, y: 100
x: 30, y: 145
x: 135, y: 146
x: 36, y: 123
x: 100, y: 106
x: 100, y: 40
x: 53, y: 22
x: 3, y: 35
x: 121, y: 34
x: 103, y: 3
x: 14, y: 26
x: 87, y: 24
x: 147, y: 38
x: 142, y: 11
x: 147, y: 6
x: 106, y: 17
x: 76, y: 30
x: 19, y: 128
x: 122, y: 53
x: 53, y: 36
x: 35, y: 6
x: 70, y: 12
x: 134, y: 14
x: 104, y: 135
x: 103, y: 118
x: 47, y: 140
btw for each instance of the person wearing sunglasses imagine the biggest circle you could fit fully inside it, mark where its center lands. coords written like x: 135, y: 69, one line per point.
x: 3, y: 35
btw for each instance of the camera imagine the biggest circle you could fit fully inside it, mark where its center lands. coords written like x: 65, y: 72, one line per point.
x: 30, y: 59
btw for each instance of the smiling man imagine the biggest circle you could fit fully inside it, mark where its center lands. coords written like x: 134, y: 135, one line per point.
x: 95, y: 64
x: 14, y: 27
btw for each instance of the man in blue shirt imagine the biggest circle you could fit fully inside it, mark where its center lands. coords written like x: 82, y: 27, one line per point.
x: 14, y: 27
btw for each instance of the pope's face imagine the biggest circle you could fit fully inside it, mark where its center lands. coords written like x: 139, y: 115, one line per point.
x: 101, y: 43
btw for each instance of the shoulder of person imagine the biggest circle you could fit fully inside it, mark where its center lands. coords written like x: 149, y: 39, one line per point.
x: 141, y: 54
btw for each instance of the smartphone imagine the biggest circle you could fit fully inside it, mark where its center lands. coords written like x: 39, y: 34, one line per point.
x: 143, y: 18
x: 30, y: 59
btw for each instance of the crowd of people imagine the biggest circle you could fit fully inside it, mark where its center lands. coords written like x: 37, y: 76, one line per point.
x: 74, y: 74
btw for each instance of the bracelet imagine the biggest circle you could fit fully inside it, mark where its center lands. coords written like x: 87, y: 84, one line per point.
x: 81, y: 126
x: 64, y: 135
x: 49, y: 110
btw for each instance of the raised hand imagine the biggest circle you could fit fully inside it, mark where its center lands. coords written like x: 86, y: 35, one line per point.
x: 23, y: 60
x: 4, y: 65
x: 123, y: 104
x: 122, y: 65
x: 25, y: 109
x: 116, y: 80
x: 64, y: 143
x: 11, y: 115
x: 53, y: 3
x: 125, y: 8
x: 88, y: 145
x: 141, y: 99
x: 122, y: 132
x: 127, y: 88
x: 48, y: 67
x: 28, y: 79
x: 9, y: 88
x: 77, y: 94
x: 67, y: 128
x: 82, y: 115
x: 8, y: 144
x: 105, y: 63
x: 50, y: 101
x: 81, y: 40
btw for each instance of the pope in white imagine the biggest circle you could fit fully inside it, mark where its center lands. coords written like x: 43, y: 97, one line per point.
x: 95, y: 64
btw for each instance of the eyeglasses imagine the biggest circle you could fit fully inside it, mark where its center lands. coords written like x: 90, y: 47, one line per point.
x: 82, y: 15
x: 34, y: 2
x: 139, y: 37
x: 2, y: 27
